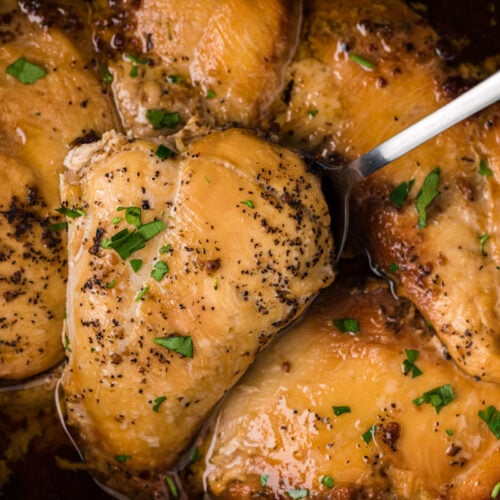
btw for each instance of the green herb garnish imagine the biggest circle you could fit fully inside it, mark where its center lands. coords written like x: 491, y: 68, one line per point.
x: 172, y: 486
x: 248, y: 203
x: 393, y: 267
x: 438, y: 397
x: 492, y: 418
x: 263, y: 479
x: 58, y: 226
x: 151, y: 229
x: 25, y: 71
x: 449, y: 432
x: 409, y: 365
x: 400, y: 194
x: 111, y: 284
x: 160, y: 269
x: 340, y: 410
x: 163, y: 152
x: 160, y: 118
x: 174, y: 79
x: 483, y: 238
x: 140, y: 294
x: 427, y: 195
x: 166, y: 249
x: 107, y: 76
x: 194, y: 455
x: 365, y: 63
x: 328, y: 481
x: 347, y: 325
x: 302, y: 493
x: 132, y: 215
x: 211, y: 94
x: 73, y: 214
x: 134, y: 72
x: 368, y: 435
x: 125, y: 243
x: 158, y: 402
x: 312, y: 113
x: 496, y: 490
x: 136, y: 264
x: 116, y: 220
x: 177, y: 343
x: 67, y: 346
x: 122, y: 458
x: 484, y: 169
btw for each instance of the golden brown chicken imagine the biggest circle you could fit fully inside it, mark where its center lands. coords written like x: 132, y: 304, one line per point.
x: 363, y: 72
x: 183, y: 268
x: 336, y: 408
x: 223, y: 60
x: 49, y: 101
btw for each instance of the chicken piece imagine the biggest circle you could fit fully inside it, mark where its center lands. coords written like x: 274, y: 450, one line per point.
x: 39, y: 121
x: 223, y: 60
x: 327, y: 414
x: 158, y: 338
x: 365, y: 71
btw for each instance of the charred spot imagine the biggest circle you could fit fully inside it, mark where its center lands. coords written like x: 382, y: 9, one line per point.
x: 87, y: 137
x: 453, y: 86
x: 287, y: 92
x: 445, y: 49
x: 94, y: 249
x: 212, y: 265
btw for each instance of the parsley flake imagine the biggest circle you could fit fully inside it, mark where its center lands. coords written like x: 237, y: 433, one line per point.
x: 26, y: 72
x: 160, y: 269
x: 166, y: 249
x: 107, y: 76
x: 134, y: 72
x: 248, y: 203
x: 484, y: 169
x: 158, y: 402
x: 111, y: 284
x: 496, y: 490
x: 116, y: 220
x: 123, y: 458
x: 368, y: 435
x: 151, y: 229
x: 160, y: 118
x: 66, y: 344
x: 163, y: 152
x: 364, y: 63
x: 438, y: 397
x: 172, y: 486
x: 211, y: 94
x: 409, y: 365
x: 177, y: 343
x: 68, y: 212
x: 136, y: 264
x: 393, y: 267
x: 125, y: 243
x: 340, y: 410
x: 174, y: 79
x: 347, y: 325
x: 263, y: 479
x: 426, y: 196
x: 449, y: 432
x: 194, y: 455
x: 400, y: 194
x: 328, y: 481
x: 58, y: 226
x: 132, y: 215
x: 312, y: 113
x: 302, y: 493
x: 140, y: 294
x: 492, y: 418
x: 483, y: 238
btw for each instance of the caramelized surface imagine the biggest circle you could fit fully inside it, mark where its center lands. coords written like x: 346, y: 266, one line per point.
x: 233, y: 282
x: 38, y: 123
x: 278, y: 422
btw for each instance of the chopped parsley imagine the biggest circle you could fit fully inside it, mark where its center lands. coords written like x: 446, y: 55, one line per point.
x: 340, y: 410
x: 328, y: 481
x: 73, y: 214
x: 157, y: 403
x: 58, y: 226
x: 194, y: 455
x: 136, y: 264
x: 140, y: 294
x: 116, y: 220
x: 449, y: 432
x: 492, y: 418
x: 302, y: 493
x: 160, y: 118
x: 163, y: 152
x: 368, y: 435
x: 347, y: 325
x: 496, y: 490
x: 151, y: 229
x: 172, y: 486
x: 216, y: 283
x: 166, y: 248
x: 123, y: 458
x: 248, y: 203
x: 365, y: 63
x: 484, y: 169
x: 134, y: 72
x: 426, y: 196
x: 132, y: 215
x: 111, y: 284
x: 125, y: 243
x: 438, y: 397
x: 393, y: 267
x: 211, y: 94
x: 26, y: 72
x: 483, y: 238
x: 174, y: 79
x: 312, y: 113
x: 135, y: 60
x: 177, y: 343
x: 160, y: 269
x: 409, y: 365
x: 67, y: 346
x: 400, y: 194
x: 263, y: 479
x: 107, y: 76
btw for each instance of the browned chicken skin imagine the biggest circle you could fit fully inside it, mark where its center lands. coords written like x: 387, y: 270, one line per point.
x: 299, y: 422
x: 38, y: 123
x: 246, y: 247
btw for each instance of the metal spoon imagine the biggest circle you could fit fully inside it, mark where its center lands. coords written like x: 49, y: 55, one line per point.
x: 344, y: 178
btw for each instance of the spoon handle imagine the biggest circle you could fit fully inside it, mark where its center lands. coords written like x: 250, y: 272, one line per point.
x: 482, y: 95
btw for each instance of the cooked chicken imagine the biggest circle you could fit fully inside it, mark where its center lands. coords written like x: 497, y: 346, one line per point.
x: 327, y: 414
x: 59, y: 102
x: 162, y: 321
x: 223, y: 59
x: 364, y: 71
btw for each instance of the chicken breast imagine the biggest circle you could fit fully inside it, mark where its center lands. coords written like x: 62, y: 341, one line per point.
x: 182, y: 269
x: 223, y: 60
x: 364, y: 71
x: 334, y: 409
x: 49, y: 100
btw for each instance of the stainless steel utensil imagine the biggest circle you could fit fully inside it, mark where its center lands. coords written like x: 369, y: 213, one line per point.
x: 344, y: 178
